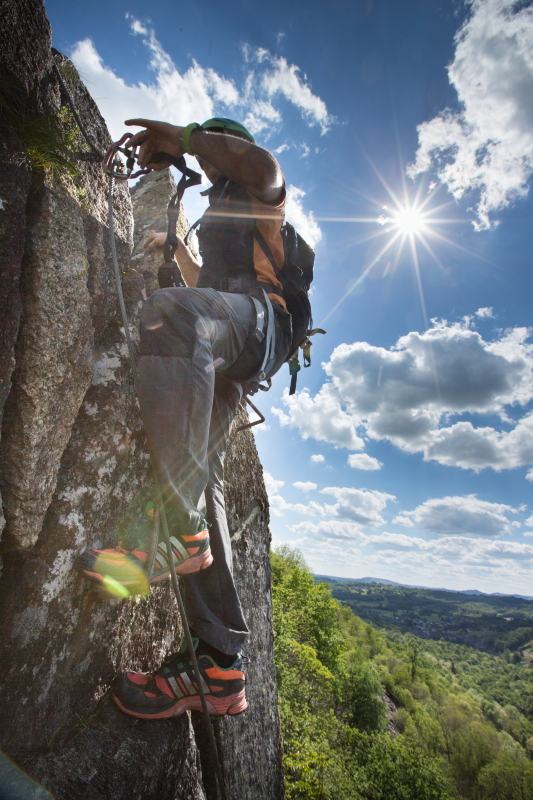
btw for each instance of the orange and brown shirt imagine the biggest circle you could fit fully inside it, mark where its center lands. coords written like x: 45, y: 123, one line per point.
x: 230, y: 250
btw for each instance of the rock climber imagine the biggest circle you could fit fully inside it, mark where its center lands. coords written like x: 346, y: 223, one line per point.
x: 199, y: 346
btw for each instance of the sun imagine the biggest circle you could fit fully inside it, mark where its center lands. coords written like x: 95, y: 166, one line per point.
x: 409, y: 223
x: 409, y: 219
x: 406, y: 219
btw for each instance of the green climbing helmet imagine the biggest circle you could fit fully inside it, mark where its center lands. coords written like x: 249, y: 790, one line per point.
x: 228, y: 126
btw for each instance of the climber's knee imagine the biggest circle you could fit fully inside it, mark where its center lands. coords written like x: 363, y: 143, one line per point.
x: 167, y: 325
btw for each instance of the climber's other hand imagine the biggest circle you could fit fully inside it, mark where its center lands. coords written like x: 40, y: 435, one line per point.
x: 158, y: 137
x: 155, y: 240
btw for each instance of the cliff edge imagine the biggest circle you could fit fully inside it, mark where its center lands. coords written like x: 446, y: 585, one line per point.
x: 74, y: 467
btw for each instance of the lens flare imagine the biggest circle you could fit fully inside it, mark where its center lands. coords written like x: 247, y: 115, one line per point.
x: 128, y: 579
x: 114, y: 588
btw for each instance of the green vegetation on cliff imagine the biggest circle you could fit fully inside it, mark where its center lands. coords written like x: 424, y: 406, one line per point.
x: 368, y: 715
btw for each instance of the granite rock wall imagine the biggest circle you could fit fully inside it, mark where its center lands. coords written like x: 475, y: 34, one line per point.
x: 74, y: 469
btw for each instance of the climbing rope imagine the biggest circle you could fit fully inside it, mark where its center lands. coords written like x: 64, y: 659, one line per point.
x: 158, y: 486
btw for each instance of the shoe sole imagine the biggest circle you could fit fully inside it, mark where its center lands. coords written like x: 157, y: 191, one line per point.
x: 217, y: 706
x: 192, y: 564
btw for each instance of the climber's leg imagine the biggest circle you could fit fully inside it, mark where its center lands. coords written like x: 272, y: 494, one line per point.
x: 213, y: 608
x: 187, y: 335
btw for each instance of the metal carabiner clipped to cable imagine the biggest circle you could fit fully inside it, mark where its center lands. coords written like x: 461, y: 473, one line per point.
x: 113, y: 167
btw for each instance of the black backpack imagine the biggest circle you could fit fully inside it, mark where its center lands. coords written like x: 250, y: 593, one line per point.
x: 295, y: 276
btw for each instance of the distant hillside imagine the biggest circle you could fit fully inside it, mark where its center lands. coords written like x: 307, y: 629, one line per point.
x: 331, y: 579
x: 494, y: 623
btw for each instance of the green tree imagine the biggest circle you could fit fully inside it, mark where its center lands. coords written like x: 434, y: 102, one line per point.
x: 474, y: 747
x: 386, y: 769
x: 506, y: 779
x: 360, y: 704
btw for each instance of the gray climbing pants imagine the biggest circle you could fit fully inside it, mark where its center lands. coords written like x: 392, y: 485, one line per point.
x: 191, y: 341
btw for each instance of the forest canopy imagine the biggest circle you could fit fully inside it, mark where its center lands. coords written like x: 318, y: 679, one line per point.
x: 368, y: 714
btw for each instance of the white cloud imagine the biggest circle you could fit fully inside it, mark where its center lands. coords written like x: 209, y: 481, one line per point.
x: 320, y: 417
x: 457, y: 562
x: 406, y: 522
x: 278, y: 505
x: 364, y: 461
x: 304, y: 222
x: 452, y: 516
x: 485, y: 313
x: 262, y: 117
x: 470, y: 551
x: 262, y: 428
x: 529, y: 475
x: 467, y: 550
x: 329, y: 529
x: 312, y: 509
x: 173, y: 96
x: 359, y: 505
x: 319, y: 459
x: 448, y: 560
x: 284, y: 79
x: 487, y: 145
x: 414, y: 394
x: 306, y: 486
x: 529, y: 521
x: 200, y: 92
x: 271, y: 484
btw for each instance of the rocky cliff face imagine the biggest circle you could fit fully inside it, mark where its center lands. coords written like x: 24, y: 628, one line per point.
x: 74, y: 468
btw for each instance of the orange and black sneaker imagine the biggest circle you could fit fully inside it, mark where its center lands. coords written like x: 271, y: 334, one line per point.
x: 135, y: 563
x: 172, y: 689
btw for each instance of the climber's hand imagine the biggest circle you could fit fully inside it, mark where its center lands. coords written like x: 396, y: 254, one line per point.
x: 158, y: 137
x: 155, y: 240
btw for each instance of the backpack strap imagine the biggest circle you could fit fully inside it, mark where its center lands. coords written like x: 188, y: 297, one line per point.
x: 267, y: 251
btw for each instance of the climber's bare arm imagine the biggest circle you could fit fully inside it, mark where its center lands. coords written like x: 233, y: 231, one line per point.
x: 189, y: 266
x: 237, y: 159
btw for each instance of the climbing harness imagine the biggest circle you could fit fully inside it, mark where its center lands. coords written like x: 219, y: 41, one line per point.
x: 116, y: 171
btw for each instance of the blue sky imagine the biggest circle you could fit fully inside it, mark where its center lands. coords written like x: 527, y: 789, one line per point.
x: 407, y: 452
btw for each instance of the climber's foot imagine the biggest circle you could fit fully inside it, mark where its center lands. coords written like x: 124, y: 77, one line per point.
x: 122, y: 568
x: 172, y: 689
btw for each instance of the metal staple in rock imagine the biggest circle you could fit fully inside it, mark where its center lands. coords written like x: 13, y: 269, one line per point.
x: 159, y: 493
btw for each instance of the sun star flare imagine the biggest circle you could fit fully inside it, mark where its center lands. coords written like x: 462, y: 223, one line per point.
x: 409, y: 219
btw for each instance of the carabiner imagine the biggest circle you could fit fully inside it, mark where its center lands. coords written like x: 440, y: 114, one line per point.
x: 115, y: 168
